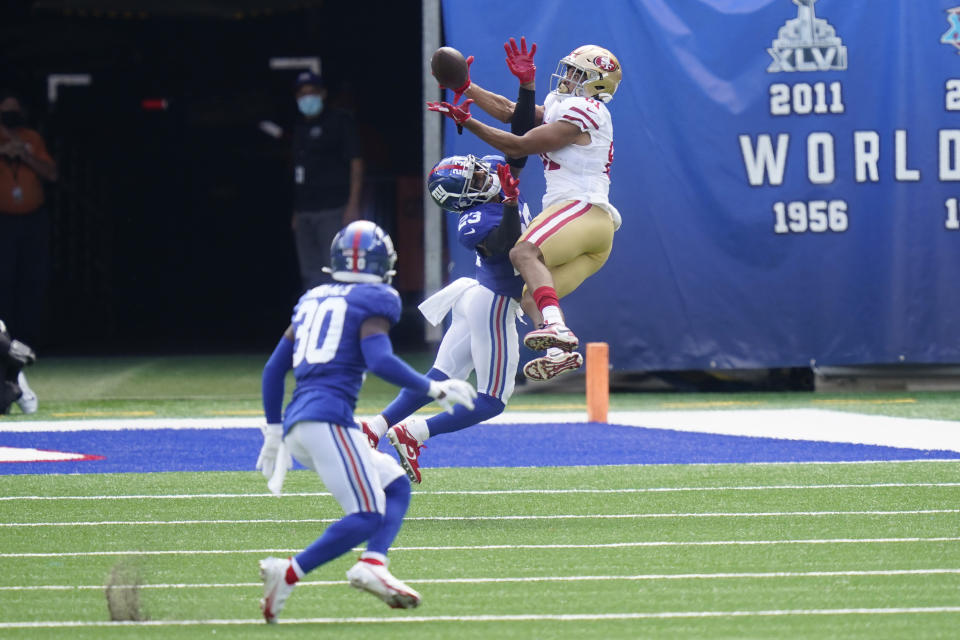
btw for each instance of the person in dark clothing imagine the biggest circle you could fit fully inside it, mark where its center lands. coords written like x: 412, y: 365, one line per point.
x: 327, y: 176
x: 25, y: 167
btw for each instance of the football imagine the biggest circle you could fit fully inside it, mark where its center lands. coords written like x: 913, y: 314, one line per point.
x: 449, y: 67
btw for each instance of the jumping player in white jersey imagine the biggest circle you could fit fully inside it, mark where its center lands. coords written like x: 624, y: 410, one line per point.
x: 482, y: 336
x: 573, y: 235
x: 338, y: 332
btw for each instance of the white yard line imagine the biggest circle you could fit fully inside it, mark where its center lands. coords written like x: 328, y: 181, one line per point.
x: 503, y: 547
x: 498, y: 492
x: 639, y: 577
x: 533, y: 617
x: 577, y: 516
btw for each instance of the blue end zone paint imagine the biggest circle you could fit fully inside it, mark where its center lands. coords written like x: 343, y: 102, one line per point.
x: 502, y: 445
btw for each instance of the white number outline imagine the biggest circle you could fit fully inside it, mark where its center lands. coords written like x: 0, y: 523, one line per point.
x: 312, y: 316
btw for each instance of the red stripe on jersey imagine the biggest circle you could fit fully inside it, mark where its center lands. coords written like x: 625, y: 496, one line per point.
x: 584, y: 114
x: 572, y: 119
x: 543, y: 233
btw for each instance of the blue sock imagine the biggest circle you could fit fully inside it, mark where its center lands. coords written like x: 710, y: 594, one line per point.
x: 485, y: 408
x: 398, y: 499
x: 340, y: 537
x: 408, y: 401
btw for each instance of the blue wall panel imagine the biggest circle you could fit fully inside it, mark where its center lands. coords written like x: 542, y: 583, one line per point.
x: 713, y: 268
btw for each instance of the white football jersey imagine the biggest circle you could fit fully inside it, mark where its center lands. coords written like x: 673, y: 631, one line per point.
x: 580, y: 172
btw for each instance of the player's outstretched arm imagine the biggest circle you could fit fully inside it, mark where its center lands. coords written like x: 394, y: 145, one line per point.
x: 380, y: 359
x: 520, y: 62
x: 542, y: 139
x: 502, y: 238
x: 494, y: 104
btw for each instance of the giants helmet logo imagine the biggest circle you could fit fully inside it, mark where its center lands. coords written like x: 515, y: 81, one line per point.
x: 605, y: 63
x: 440, y: 194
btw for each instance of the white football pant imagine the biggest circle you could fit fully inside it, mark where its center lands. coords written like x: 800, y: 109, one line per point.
x: 482, y: 337
x: 353, y: 472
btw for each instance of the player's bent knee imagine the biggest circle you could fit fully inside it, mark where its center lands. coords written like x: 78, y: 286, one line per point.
x: 524, y: 252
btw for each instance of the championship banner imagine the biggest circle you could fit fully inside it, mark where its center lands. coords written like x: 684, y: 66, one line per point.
x: 788, y: 172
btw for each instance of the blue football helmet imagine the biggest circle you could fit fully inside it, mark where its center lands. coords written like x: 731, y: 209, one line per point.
x: 458, y: 183
x: 362, y: 252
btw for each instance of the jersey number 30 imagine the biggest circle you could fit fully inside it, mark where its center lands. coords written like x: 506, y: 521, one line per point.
x: 318, y: 337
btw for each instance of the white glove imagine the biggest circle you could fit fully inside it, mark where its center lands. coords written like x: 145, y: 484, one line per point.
x: 452, y: 392
x: 274, y: 460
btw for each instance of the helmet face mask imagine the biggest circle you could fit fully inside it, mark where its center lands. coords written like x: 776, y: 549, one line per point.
x: 458, y: 183
x: 362, y: 252
x: 589, y: 71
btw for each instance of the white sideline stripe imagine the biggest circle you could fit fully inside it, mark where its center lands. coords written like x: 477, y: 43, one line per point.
x: 532, y: 617
x: 498, y: 492
x: 506, y: 547
x: 648, y: 576
x: 592, y: 516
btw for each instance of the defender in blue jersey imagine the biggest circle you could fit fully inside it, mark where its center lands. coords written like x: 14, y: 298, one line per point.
x: 338, y: 332
x: 483, y: 333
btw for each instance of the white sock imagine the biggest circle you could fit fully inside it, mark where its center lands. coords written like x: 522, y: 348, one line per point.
x: 378, y: 425
x: 418, y: 429
x: 552, y: 315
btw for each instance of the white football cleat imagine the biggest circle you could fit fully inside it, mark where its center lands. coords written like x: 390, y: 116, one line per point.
x: 551, y: 366
x: 28, y: 400
x: 551, y: 335
x: 374, y: 578
x: 276, y: 588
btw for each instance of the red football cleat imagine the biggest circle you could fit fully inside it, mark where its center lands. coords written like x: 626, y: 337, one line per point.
x: 372, y: 438
x: 408, y: 448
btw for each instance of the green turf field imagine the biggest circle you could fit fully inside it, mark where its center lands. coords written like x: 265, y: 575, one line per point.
x: 720, y: 551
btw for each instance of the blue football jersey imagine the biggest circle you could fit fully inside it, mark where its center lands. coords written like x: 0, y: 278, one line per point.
x: 496, y: 272
x: 328, y: 363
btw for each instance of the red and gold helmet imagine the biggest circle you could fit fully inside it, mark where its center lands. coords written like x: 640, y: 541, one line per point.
x: 589, y: 71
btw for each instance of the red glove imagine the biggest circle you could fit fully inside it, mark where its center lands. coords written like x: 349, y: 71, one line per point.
x: 459, y: 113
x: 459, y: 91
x: 520, y: 60
x: 508, y: 184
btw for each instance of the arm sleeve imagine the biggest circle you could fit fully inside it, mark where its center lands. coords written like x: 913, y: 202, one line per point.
x: 378, y: 354
x: 274, y: 372
x: 505, y: 235
x: 522, y: 121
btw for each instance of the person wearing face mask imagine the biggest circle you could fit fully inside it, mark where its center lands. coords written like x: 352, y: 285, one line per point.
x: 327, y: 176
x: 25, y: 165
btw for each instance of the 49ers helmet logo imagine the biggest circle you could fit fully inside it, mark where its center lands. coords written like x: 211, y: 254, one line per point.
x: 605, y: 63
